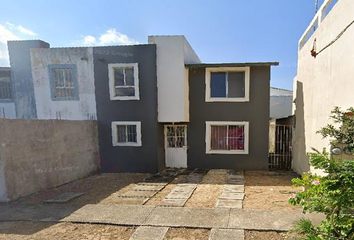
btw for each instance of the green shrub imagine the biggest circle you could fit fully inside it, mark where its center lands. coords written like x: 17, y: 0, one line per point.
x: 332, y: 194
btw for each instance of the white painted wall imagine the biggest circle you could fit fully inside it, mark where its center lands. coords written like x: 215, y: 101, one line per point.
x: 323, y: 82
x: 72, y: 110
x: 7, y: 110
x: 173, y: 52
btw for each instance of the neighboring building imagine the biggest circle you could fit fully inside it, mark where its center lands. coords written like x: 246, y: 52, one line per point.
x: 281, y: 101
x: 324, y: 77
x: 156, y: 104
x: 7, y: 105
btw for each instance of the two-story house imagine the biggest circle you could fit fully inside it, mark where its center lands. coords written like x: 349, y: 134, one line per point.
x: 157, y: 105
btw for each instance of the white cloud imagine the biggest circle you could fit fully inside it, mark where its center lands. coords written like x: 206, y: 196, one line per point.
x: 89, y: 40
x: 26, y: 31
x: 110, y: 37
x: 5, y: 35
x: 114, y: 37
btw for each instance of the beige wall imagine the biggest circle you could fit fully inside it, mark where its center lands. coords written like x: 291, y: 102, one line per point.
x: 323, y: 82
x: 40, y: 154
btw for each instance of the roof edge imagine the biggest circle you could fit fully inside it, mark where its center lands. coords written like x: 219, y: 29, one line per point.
x: 232, y: 64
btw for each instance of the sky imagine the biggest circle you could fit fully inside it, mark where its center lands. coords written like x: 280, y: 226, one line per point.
x: 218, y: 30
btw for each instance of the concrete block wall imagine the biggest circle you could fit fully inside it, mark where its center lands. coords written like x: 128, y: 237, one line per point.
x: 40, y: 154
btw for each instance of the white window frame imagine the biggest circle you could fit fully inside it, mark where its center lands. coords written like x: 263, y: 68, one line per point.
x: 112, y: 86
x: 127, y: 144
x: 208, y: 138
x: 208, y: 72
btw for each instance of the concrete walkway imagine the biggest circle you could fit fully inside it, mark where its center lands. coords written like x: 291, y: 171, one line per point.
x: 159, y: 216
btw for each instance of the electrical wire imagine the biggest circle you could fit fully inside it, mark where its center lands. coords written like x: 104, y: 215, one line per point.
x: 339, y: 35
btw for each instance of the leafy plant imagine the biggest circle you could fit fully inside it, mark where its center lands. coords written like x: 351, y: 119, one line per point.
x: 332, y: 194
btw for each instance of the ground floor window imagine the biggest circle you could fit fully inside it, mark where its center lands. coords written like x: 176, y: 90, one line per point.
x: 126, y: 134
x: 227, y: 137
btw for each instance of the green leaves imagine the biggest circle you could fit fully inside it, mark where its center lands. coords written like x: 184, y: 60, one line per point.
x: 332, y: 194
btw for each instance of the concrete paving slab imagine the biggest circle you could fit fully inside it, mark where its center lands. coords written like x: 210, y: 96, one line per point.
x: 111, y: 214
x: 226, y: 234
x: 189, y: 217
x: 64, y: 198
x: 240, y: 177
x: 229, y: 203
x: 232, y: 195
x: 179, y: 195
x: 138, y: 194
x: 234, y: 188
x: 152, y: 184
x: 236, y: 181
x: 147, y: 188
x: 149, y: 233
x: 268, y: 220
x: 173, y: 202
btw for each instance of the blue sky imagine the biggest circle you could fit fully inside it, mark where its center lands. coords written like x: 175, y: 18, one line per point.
x: 219, y: 31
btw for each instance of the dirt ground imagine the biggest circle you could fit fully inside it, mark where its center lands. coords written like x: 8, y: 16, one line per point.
x: 65, y: 231
x: 208, y: 190
x: 97, y: 189
x: 263, y: 190
x: 187, y: 234
x: 269, y: 190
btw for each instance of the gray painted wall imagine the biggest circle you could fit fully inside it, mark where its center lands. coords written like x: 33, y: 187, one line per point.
x: 148, y: 157
x: 256, y: 112
x: 22, y: 82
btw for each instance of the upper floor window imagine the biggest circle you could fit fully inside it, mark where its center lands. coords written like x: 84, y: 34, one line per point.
x: 63, y: 82
x: 227, y: 137
x: 227, y: 84
x: 123, y: 81
x: 5, y: 88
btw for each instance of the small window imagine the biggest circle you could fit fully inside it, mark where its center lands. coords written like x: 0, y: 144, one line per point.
x: 5, y: 89
x: 63, y: 80
x: 227, y: 137
x: 126, y: 134
x: 123, y: 81
x: 227, y: 84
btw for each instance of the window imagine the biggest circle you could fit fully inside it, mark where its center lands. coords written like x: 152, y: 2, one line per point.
x: 227, y: 137
x: 63, y: 81
x: 227, y: 84
x: 123, y: 81
x: 5, y: 89
x: 126, y: 134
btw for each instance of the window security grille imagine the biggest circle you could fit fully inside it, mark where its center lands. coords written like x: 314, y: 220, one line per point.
x: 176, y: 136
x: 126, y: 134
x: 5, y: 88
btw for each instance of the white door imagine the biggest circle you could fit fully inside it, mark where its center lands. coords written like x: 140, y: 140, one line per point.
x: 176, y: 146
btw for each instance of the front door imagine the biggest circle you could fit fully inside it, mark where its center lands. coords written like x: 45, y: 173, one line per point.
x: 176, y: 146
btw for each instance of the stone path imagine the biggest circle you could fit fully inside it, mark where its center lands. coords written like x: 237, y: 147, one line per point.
x: 149, y: 233
x: 145, y: 190
x: 190, y: 217
x: 233, y: 193
x: 180, y: 194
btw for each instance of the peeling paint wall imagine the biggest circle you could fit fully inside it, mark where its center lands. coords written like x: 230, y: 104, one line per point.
x: 41, y: 154
x: 22, y: 82
x: 82, y: 109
